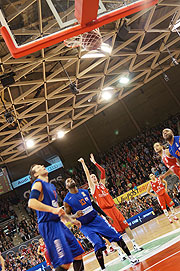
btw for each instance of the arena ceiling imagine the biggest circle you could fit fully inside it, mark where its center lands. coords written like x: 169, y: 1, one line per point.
x: 143, y: 46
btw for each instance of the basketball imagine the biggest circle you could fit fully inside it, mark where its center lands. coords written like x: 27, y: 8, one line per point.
x: 91, y: 40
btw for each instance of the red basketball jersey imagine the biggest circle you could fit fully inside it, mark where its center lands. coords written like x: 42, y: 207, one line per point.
x: 158, y: 187
x: 170, y: 162
x: 43, y: 248
x: 102, y: 196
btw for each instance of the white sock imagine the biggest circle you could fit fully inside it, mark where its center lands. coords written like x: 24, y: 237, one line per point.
x: 166, y: 213
x: 172, y: 211
x: 120, y: 253
x: 134, y: 242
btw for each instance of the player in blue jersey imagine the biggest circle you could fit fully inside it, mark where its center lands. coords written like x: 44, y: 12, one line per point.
x: 62, y: 246
x: 93, y: 226
x: 174, y: 142
x: 2, y: 265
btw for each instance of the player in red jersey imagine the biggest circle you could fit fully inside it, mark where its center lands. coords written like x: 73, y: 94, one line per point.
x: 157, y: 185
x: 170, y: 161
x: 42, y: 250
x: 106, y: 203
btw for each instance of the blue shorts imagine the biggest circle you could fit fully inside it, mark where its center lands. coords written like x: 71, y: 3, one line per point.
x: 61, y: 244
x: 97, y: 228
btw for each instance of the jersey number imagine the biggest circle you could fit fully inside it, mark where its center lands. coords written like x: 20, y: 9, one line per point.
x: 83, y: 202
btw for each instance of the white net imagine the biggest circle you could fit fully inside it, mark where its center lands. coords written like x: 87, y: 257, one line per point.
x: 89, y: 40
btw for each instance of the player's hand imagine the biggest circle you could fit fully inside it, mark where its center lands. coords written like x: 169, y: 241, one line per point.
x: 79, y: 214
x: 81, y: 160
x: 77, y: 223
x: 58, y: 211
x: 161, y: 177
x: 92, y: 158
x: 109, y: 219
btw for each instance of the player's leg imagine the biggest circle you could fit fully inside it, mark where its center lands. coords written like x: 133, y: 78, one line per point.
x: 56, y: 244
x: 99, y: 244
x: 106, y: 230
x: 121, y: 225
x: 76, y: 250
x: 170, y: 203
x: 131, y: 237
x: 162, y: 202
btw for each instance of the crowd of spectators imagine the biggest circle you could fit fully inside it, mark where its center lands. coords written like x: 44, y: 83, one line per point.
x: 23, y: 260
x: 6, y: 209
x: 127, y: 165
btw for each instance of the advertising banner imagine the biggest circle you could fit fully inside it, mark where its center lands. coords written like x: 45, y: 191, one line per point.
x: 26, y: 179
x: 39, y: 267
x: 141, y: 218
x: 136, y: 191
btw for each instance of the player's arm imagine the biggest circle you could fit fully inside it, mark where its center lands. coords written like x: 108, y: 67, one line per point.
x: 102, y: 170
x: 167, y: 173
x: 35, y: 203
x: 149, y: 190
x: 68, y: 211
x: 2, y: 263
x: 39, y: 251
x: 165, y: 183
x: 86, y: 170
x: 100, y: 211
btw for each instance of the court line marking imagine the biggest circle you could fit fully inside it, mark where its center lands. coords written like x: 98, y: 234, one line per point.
x: 152, y: 253
x: 162, y: 260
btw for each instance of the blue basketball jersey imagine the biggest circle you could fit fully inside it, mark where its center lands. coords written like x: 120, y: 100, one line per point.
x: 175, y: 148
x: 50, y: 198
x: 81, y: 201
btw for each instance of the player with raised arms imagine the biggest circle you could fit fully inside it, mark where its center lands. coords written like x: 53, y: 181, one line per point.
x: 170, y: 161
x: 157, y: 185
x: 93, y: 226
x: 62, y: 246
x: 106, y: 203
x: 174, y: 142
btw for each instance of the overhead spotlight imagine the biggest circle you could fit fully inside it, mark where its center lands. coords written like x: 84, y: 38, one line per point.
x: 9, y: 117
x: 174, y: 60
x: 108, y: 88
x: 73, y: 88
x: 124, y: 80
x: 106, y: 95
x: 30, y: 143
x: 166, y: 78
x: 106, y: 48
x: 60, y: 134
x: 93, y: 55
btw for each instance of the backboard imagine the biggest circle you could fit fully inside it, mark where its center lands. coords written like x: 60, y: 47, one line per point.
x: 37, y: 24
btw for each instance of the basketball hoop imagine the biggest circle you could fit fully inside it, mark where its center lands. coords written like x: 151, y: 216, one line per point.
x: 89, y: 40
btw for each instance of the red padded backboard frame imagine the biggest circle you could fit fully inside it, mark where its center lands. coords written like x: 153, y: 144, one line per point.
x: 34, y: 46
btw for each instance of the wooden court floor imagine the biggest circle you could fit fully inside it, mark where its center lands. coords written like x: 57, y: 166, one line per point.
x: 161, y: 243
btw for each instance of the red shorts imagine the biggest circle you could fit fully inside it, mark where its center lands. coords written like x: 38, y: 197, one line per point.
x: 119, y: 221
x: 165, y: 199
x: 176, y: 171
x: 47, y: 259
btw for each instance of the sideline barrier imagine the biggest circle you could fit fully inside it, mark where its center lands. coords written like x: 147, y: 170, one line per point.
x: 132, y: 193
x: 39, y: 267
x: 141, y: 218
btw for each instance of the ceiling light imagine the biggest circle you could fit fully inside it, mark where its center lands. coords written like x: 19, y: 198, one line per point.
x: 93, y: 55
x: 106, y: 48
x: 60, y: 134
x: 106, y: 95
x: 30, y: 143
x: 124, y: 80
x: 108, y: 88
x: 177, y: 25
x: 73, y: 88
